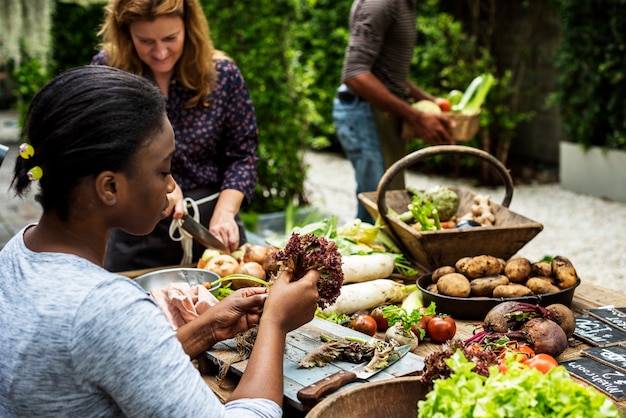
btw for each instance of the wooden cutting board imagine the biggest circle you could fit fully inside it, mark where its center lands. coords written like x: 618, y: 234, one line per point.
x: 300, y: 342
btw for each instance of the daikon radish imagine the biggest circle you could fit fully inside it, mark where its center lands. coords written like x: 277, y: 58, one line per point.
x: 368, y: 295
x: 363, y: 268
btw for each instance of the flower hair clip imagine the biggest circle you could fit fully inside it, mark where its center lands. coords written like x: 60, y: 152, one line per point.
x: 26, y: 152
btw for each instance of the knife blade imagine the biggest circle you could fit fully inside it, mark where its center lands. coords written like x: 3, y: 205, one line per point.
x: 202, y: 234
x: 315, y: 391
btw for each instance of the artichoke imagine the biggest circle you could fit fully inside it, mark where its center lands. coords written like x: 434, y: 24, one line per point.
x: 445, y: 200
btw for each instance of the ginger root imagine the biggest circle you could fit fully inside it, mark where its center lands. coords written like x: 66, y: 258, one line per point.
x: 481, y: 211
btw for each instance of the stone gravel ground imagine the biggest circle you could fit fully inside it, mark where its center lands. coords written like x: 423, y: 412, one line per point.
x: 590, y: 231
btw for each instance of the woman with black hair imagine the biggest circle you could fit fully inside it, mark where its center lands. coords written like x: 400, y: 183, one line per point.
x: 78, y: 340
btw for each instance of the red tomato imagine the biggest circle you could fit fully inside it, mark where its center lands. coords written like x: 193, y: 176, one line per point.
x: 423, y: 324
x: 444, y: 104
x: 522, y: 351
x: 381, y: 322
x: 542, y: 362
x: 364, y: 323
x: 502, y: 367
x: 476, y: 348
x: 441, y: 328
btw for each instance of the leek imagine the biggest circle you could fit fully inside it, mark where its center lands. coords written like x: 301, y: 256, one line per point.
x: 475, y: 94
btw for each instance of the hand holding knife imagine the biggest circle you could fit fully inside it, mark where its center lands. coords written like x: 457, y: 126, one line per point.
x: 202, y: 234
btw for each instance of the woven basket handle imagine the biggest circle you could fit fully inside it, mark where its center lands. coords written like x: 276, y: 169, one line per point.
x: 411, y: 159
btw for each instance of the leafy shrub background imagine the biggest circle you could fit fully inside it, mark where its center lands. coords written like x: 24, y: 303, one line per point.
x: 258, y: 36
x: 291, y: 53
x: 592, y: 80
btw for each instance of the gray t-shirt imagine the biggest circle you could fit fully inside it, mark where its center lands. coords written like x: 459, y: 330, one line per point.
x: 382, y: 41
x: 79, y: 341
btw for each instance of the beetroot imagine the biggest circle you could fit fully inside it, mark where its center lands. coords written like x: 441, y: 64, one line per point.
x: 564, y: 317
x: 546, y: 336
x: 508, y: 316
x: 496, y: 321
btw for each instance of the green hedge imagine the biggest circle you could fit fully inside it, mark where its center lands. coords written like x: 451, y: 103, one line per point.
x: 592, y: 81
x: 258, y: 36
x: 291, y: 51
x: 74, y: 29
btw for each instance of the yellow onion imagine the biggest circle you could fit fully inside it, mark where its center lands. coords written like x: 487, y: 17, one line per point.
x: 255, y: 253
x: 250, y: 268
x: 222, y: 264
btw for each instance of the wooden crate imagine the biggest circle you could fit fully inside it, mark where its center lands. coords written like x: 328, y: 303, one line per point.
x: 433, y: 249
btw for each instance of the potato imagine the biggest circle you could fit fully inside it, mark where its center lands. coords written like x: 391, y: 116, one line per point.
x: 541, y: 285
x: 432, y: 288
x: 511, y: 290
x: 441, y: 271
x: 454, y: 284
x: 517, y: 270
x: 564, y: 272
x: 461, y: 264
x: 481, y: 266
x: 483, y: 286
x: 541, y: 269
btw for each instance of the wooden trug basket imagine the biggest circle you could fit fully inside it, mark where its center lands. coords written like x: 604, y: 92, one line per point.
x: 433, y: 249
x: 394, y: 398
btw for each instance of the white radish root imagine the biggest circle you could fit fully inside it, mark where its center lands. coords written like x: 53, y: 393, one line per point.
x: 366, y: 296
x: 363, y: 268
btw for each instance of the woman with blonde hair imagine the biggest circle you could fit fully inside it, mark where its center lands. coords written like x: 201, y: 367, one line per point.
x: 209, y: 107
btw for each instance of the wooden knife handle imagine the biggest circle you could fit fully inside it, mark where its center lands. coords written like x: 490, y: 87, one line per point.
x: 317, y: 390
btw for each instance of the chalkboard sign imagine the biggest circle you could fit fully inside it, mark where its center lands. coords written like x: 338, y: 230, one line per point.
x: 607, y: 379
x: 612, y: 316
x: 622, y: 310
x: 597, y: 332
x: 614, y: 356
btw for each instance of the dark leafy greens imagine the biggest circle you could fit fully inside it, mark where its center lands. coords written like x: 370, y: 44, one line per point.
x: 309, y: 252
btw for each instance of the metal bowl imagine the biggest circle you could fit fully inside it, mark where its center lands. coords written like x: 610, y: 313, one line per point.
x: 478, y: 307
x: 160, y: 279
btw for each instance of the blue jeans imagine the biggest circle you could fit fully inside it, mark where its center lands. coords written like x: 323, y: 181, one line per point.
x: 359, y: 139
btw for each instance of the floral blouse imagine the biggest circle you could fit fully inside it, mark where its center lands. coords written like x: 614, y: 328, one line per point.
x: 216, y: 146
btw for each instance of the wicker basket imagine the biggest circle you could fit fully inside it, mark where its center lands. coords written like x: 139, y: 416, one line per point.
x: 433, y: 249
x: 465, y: 129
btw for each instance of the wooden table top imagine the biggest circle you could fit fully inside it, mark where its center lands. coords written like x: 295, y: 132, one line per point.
x: 586, y: 297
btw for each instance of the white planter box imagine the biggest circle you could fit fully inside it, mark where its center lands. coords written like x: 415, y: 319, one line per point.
x: 595, y: 172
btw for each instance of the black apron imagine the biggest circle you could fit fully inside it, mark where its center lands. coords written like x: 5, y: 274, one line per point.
x: 131, y: 252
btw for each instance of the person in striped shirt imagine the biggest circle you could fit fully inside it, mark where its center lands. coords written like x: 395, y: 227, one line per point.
x: 373, y: 99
